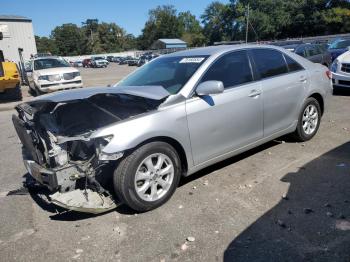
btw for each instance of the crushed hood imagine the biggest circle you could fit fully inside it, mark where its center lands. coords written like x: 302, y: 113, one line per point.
x: 151, y: 92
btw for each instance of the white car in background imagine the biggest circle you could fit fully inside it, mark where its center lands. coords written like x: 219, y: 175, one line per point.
x: 99, y: 61
x: 341, y: 71
x: 48, y: 74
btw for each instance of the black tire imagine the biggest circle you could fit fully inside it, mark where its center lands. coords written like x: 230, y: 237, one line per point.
x: 37, y: 91
x: 13, y: 94
x: 299, y: 134
x: 124, y: 176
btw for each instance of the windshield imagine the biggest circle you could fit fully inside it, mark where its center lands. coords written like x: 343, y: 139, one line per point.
x: 171, y: 73
x: 49, y: 63
x: 340, y: 44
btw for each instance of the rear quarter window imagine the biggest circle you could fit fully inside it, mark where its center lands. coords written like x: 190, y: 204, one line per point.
x: 293, y: 65
x: 269, y: 62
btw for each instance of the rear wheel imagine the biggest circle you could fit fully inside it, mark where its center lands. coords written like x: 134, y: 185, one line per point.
x: 309, y: 120
x: 148, y: 177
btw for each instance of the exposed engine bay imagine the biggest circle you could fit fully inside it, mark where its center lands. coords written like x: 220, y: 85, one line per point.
x: 59, y: 152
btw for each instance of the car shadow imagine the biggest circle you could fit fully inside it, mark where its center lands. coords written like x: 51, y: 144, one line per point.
x: 310, y: 223
x: 40, y: 195
x: 232, y: 160
x: 339, y: 91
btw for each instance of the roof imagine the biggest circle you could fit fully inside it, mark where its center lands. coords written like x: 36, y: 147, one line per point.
x: 171, y: 41
x: 213, y: 50
x: 15, y: 18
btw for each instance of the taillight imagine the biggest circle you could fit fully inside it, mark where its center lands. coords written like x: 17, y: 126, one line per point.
x: 329, y: 74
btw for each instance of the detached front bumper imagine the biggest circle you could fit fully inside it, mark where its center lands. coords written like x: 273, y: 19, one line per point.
x: 80, y: 200
x: 62, y: 179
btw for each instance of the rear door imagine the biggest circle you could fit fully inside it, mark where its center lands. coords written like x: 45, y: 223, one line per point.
x: 223, y: 122
x: 283, y: 83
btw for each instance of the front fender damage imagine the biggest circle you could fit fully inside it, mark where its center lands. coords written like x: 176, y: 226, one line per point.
x: 61, y: 150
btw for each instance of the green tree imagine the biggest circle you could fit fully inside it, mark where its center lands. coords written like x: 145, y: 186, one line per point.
x: 162, y: 23
x: 192, y: 32
x: 69, y: 40
x: 45, y: 45
x: 217, y: 22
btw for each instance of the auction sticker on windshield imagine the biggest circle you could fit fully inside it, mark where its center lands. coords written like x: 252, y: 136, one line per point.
x: 191, y: 60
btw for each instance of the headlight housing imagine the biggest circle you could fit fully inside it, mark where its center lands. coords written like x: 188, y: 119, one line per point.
x: 43, y: 78
x: 50, y: 78
x: 334, y: 66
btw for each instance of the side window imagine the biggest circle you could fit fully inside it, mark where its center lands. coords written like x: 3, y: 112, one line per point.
x: 232, y: 69
x: 292, y: 64
x: 269, y: 62
x: 301, y: 51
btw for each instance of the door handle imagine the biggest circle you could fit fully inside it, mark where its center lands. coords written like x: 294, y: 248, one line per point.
x: 255, y: 93
x: 302, y: 79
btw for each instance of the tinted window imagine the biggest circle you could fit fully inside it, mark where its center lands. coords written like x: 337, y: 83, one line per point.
x: 292, y: 64
x: 269, y: 62
x: 50, y: 63
x: 232, y: 69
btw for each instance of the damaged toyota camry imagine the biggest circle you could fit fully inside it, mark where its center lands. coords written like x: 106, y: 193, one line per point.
x: 95, y: 148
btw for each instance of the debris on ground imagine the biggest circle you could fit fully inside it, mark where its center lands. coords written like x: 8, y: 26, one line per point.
x: 79, y: 251
x: 329, y: 214
x: 341, y: 216
x: 281, y: 223
x: 184, y: 246
x: 206, y: 183
x: 345, y: 128
x: 269, y: 153
x: 302, y: 144
x: 180, y: 206
x: 194, y: 187
x: 327, y: 205
x: 18, y: 192
x: 342, y: 225
x: 285, y: 197
x: 308, y: 210
x: 216, y: 232
x: 190, y: 239
x: 341, y: 165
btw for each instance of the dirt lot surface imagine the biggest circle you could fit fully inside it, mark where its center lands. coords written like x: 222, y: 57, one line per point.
x: 283, y: 201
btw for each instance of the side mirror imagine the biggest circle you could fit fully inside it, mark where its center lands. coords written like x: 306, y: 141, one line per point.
x: 210, y: 88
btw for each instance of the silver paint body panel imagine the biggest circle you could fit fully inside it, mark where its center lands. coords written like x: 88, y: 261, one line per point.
x: 213, y: 128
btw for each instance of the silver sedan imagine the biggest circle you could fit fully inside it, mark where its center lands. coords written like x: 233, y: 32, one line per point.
x: 170, y: 118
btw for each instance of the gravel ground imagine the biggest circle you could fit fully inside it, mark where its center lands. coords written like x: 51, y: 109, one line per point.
x: 283, y: 201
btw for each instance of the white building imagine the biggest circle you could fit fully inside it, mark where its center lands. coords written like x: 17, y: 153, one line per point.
x: 17, y: 33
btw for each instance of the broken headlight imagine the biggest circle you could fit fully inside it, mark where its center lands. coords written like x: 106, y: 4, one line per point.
x: 107, y: 156
x: 103, y: 156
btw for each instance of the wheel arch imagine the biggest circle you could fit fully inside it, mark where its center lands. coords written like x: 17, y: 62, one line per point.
x: 320, y: 100
x: 175, y: 144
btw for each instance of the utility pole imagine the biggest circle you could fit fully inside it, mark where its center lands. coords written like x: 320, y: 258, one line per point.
x: 247, y: 26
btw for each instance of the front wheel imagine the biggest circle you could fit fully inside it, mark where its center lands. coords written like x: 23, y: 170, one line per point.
x: 148, y: 177
x: 309, y: 120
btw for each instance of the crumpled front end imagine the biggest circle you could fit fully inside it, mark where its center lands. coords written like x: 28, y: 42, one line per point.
x: 61, y: 151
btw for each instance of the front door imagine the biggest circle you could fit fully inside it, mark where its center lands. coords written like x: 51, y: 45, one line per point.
x: 223, y: 122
